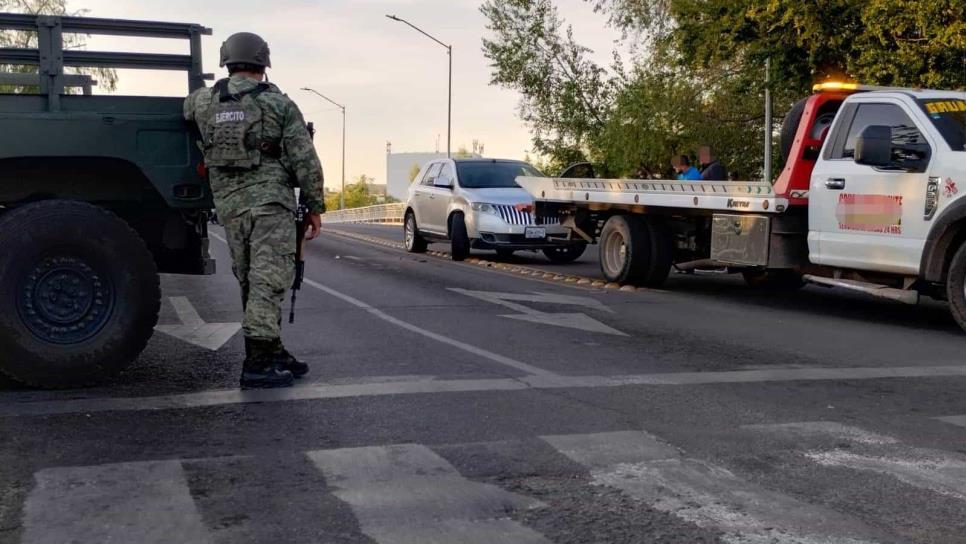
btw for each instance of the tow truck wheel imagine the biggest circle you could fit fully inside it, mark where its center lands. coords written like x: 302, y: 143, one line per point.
x: 414, y: 242
x: 625, y: 249
x: 956, y: 287
x: 80, y: 294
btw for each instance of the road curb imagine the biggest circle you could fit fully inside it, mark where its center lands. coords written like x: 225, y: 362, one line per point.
x: 507, y: 268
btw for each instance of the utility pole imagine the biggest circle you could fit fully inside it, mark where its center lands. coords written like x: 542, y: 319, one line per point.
x: 768, y: 120
x: 449, y: 104
x: 340, y: 106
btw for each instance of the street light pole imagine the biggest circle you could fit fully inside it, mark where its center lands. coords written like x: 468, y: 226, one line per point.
x: 449, y: 105
x: 340, y: 106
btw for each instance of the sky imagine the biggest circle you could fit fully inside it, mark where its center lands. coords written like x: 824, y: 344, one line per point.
x: 391, y: 79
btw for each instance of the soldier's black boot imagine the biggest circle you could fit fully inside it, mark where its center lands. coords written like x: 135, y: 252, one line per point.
x: 261, y: 370
x: 287, y: 361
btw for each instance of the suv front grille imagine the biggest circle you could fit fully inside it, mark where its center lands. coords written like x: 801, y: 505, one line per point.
x: 514, y: 216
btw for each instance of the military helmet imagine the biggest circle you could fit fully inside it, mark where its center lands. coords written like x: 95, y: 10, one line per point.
x: 245, y: 48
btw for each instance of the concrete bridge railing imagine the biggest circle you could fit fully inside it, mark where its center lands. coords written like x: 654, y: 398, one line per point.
x: 386, y: 214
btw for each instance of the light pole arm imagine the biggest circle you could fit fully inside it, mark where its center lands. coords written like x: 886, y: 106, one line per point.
x: 449, y: 104
x: 326, y: 98
x: 421, y: 31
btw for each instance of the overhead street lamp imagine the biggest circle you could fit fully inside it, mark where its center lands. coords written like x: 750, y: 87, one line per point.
x: 340, y: 106
x: 449, y: 107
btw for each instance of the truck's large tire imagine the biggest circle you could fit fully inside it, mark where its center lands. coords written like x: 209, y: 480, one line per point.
x: 956, y: 287
x: 79, y: 293
x: 625, y: 249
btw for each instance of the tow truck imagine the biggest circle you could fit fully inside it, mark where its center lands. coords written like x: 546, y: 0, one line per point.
x: 872, y: 198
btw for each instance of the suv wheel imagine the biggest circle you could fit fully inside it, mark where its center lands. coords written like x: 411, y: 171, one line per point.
x: 414, y: 242
x: 80, y: 294
x: 459, y: 240
x: 956, y: 287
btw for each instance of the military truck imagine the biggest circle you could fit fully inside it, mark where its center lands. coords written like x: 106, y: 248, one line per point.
x: 98, y: 195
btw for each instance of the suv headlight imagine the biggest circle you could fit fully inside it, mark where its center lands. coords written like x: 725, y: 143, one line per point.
x: 484, y: 208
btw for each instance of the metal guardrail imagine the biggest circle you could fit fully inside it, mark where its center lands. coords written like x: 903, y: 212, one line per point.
x: 387, y: 214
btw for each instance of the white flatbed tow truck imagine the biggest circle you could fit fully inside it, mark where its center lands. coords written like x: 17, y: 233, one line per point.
x: 871, y: 198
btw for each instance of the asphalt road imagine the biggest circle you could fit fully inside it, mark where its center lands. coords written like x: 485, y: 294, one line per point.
x: 454, y: 403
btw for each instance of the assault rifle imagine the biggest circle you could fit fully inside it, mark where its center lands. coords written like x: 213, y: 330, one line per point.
x: 301, y: 223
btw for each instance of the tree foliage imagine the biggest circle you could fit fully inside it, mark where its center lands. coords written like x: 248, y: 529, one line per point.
x: 106, y: 78
x: 696, y: 71
x: 564, y: 94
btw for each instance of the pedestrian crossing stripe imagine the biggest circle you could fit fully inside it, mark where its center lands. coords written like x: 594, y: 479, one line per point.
x: 409, y: 493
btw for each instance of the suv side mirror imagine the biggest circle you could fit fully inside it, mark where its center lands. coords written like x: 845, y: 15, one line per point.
x: 873, y: 147
x: 444, y: 182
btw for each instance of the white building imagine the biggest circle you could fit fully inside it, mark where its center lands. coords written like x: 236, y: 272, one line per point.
x: 399, y: 167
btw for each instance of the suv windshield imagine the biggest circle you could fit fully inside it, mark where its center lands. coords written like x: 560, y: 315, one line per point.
x: 486, y: 174
x: 949, y: 116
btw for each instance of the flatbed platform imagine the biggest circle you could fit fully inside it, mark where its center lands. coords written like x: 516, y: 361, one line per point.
x: 746, y: 196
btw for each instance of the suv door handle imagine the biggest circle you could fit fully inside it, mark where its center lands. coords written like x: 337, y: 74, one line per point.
x: 432, y: 196
x: 835, y: 184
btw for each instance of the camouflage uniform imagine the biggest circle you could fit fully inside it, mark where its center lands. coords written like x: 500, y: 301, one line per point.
x: 257, y: 206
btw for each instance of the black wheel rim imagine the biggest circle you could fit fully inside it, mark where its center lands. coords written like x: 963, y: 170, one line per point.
x: 64, y: 300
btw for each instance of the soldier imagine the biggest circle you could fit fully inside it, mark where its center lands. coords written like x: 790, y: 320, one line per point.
x: 257, y: 149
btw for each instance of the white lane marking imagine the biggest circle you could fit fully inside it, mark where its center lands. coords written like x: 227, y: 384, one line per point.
x: 18, y: 404
x: 704, y: 494
x: 507, y: 299
x: 486, y: 354
x: 569, y: 320
x: 145, y: 502
x: 408, y: 494
x: 832, y: 429
x: 954, y: 420
x: 929, y: 469
x: 353, y: 258
x: 480, y: 352
x: 194, y: 330
x: 933, y: 471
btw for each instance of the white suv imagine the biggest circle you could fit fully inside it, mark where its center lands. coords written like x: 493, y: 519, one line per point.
x: 476, y: 203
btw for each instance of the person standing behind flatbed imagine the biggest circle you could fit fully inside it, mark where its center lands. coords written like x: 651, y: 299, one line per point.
x: 711, y: 168
x: 258, y: 149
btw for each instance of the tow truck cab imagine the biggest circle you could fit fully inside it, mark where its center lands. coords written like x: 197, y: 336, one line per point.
x: 882, y: 182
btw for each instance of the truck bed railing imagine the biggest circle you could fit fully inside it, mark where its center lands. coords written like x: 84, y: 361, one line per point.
x: 51, y: 58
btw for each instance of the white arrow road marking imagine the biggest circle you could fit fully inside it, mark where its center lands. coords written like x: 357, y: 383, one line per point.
x: 194, y: 330
x: 569, y: 320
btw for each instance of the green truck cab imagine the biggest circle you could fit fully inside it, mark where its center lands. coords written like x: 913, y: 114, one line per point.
x: 98, y: 195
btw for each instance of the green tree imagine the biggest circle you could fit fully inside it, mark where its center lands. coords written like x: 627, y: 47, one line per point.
x: 564, y: 95
x: 413, y: 172
x: 106, y: 78
x: 696, y: 73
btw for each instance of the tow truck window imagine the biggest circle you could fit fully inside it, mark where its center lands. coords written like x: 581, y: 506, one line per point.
x: 910, y: 147
x: 949, y: 116
x: 430, y: 178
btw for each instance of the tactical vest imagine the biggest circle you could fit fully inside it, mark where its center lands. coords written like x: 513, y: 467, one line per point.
x: 233, y: 137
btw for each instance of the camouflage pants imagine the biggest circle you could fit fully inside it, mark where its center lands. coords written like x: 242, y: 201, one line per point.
x: 262, y: 244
